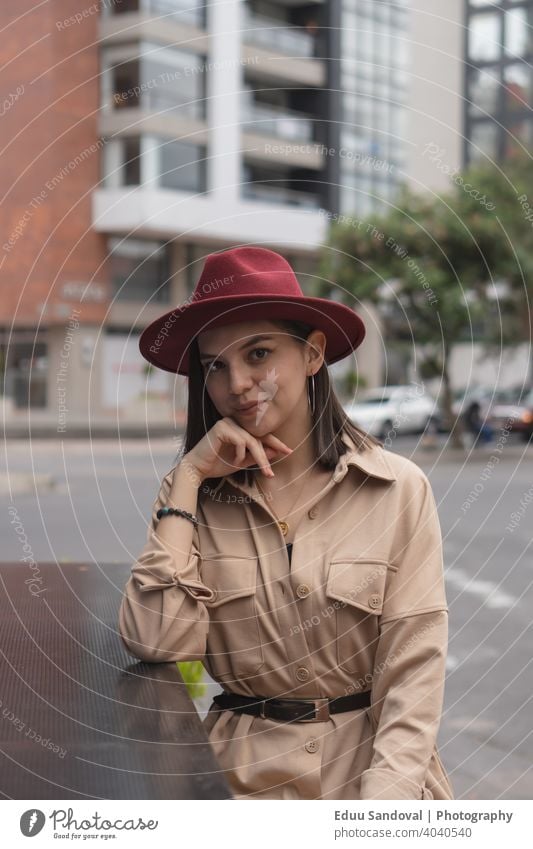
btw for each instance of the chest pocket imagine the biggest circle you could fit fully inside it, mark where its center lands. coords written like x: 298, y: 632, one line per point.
x: 358, y: 588
x: 234, y: 645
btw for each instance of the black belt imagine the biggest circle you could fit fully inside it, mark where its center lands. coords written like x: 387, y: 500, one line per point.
x: 292, y: 710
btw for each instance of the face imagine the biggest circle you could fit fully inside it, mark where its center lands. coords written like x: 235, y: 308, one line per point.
x: 270, y: 371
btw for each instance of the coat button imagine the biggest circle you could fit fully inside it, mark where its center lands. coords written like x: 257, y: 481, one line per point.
x: 313, y: 512
x: 302, y: 590
x: 312, y: 745
x: 374, y: 600
x: 302, y: 673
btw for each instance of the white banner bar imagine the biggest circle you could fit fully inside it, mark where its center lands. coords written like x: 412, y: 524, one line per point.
x: 227, y: 824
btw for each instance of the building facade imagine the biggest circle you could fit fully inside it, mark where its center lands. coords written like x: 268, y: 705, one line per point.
x: 145, y: 134
x: 374, y: 54
x: 498, y: 48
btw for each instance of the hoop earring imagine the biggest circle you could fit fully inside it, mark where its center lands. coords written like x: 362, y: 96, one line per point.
x: 311, y: 403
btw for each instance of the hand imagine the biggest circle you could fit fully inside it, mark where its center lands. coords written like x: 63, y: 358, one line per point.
x: 227, y: 447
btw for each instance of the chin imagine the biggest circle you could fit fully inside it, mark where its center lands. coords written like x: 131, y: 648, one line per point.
x: 258, y: 427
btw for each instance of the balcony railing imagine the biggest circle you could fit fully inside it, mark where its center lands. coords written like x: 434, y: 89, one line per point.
x: 280, y: 195
x: 178, y: 11
x: 160, y: 101
x: 188, y: 11
x: 278, y: 123
x: 274, y: 35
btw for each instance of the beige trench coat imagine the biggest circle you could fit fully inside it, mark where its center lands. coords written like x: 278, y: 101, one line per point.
x: 362, y: 605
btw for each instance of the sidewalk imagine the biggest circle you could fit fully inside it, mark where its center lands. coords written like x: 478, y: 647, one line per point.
x: 41, y: 427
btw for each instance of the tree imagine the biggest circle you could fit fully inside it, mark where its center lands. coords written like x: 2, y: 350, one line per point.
x: 509, y: 293
x: 442, y: 268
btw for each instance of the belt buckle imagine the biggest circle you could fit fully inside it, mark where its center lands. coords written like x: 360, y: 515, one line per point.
x: 262, y: 709
x: 321, y: 710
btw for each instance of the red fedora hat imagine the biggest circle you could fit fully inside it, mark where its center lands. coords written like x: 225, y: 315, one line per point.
x: 246, y: 284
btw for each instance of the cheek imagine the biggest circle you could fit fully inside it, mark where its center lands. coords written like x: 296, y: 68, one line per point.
x: 216, y: 396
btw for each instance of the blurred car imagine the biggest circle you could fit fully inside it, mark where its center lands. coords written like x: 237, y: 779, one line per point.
x: 503, y: 409
x: 512, y: 409
x: 394, y: 409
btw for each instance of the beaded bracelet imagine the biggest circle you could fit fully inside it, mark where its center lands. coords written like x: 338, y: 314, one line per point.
x: 176, y: 511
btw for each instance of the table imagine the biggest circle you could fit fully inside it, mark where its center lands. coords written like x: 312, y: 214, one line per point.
x: 80, y: 717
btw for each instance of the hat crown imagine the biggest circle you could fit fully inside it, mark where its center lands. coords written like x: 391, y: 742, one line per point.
x: 247, y: 271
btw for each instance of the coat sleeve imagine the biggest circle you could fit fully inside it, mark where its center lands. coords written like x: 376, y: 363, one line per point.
x: 162, y: 616
x: 409, y: 667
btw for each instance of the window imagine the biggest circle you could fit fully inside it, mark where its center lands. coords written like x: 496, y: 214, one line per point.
x: 518, y: 23
x: 518, y: 88
x: 125, y: 83
x: 160, y: 79
x: 139, y: 270
x: 484, y: 90
x: 25, y: 365
x: 484, y: 141
x: 182, y: 166
x: 131, y: 161
x: 125, y: 6
x: 290, y: 187
x: 186, y: 11
x: 485, y: 37
x: 154, y: 162
x: 519, y: 137
x: 177, y: 80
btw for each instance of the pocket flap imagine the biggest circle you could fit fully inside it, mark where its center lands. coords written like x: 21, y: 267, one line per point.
x: 229, y: 578
x: 360, y: 583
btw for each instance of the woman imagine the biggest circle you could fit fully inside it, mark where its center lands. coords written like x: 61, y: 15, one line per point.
x: 303, y: 564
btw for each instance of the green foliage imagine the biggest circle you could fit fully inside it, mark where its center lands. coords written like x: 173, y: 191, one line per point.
x: 445, y: 268
x: 351, y: 382
x: 435, y: 264
x: 192, y: 672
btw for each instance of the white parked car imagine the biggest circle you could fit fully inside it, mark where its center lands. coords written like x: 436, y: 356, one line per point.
x: 388, y: 410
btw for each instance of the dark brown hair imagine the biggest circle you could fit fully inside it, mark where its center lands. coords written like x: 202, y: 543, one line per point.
x: 329, y: 419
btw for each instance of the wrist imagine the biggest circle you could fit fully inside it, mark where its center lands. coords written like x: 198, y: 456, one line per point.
x: 188, y: 473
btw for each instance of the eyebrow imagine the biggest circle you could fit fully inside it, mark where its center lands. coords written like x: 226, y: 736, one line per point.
x: 252, y: 341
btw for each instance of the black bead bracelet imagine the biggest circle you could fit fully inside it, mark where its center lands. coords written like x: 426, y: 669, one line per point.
x: 175, y: 511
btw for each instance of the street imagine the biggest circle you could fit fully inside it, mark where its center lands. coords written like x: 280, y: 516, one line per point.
x: 82, y: 501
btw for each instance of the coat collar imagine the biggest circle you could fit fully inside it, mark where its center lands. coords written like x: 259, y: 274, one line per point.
x: 371, y: 460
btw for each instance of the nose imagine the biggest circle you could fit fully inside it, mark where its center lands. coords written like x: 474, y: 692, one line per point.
x: 240, y: 379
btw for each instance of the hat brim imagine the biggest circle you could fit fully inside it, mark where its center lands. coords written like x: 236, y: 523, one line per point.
x: 166, y: 341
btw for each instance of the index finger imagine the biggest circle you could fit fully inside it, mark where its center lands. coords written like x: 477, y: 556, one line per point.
x: 275, y: 442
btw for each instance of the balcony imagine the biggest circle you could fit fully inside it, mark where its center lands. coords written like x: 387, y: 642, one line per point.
x: 176, y: 11
x: 280, y: 195
x: 279, y: 123
x: 274, y: 35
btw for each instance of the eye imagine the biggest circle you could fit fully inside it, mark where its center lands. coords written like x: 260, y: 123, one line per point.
x: 211, y: 367
x: 265, y: 350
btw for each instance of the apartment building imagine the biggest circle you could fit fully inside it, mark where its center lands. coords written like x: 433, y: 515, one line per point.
x: 148, y: 133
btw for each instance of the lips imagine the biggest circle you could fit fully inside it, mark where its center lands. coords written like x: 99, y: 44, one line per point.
x: 247, y: 407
